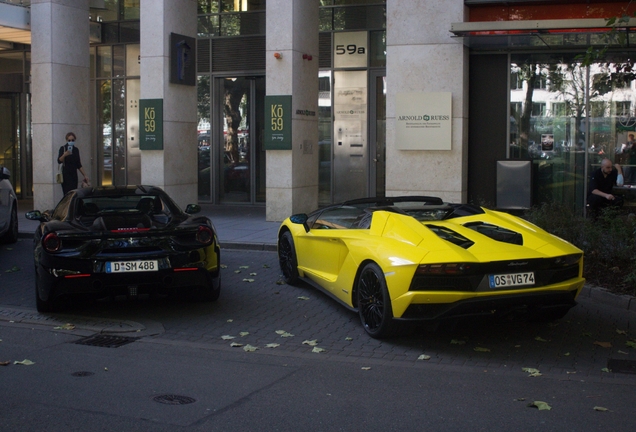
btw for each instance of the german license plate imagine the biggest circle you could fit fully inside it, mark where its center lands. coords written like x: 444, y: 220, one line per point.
x: 511, y: 280
x: 132, y: 266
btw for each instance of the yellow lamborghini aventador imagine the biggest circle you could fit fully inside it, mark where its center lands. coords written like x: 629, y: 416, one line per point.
x: 418, y: 258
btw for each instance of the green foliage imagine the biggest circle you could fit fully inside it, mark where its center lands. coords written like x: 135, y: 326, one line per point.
x: 608, y: 242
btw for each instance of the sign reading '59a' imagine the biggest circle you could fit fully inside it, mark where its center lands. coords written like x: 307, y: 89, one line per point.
x: 350, y: 49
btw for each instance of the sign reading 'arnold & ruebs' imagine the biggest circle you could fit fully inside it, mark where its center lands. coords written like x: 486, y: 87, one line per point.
x: 423, y: 121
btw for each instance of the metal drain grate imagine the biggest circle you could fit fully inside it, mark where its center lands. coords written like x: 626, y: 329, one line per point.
x: 106, y: 341
x: 622, y: 366
x: 171, y: 399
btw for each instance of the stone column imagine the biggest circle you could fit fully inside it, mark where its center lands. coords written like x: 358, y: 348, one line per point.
x: 60, y: 82
x: 292, y: 175
x: 174, y: 167
x: 422, y: 57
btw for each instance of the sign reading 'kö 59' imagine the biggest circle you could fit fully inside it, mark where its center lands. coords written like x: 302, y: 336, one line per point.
x: 278, y: 127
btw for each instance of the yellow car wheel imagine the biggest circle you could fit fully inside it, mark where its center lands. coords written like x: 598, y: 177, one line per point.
x: 287, y: 258
x: 374, y: 303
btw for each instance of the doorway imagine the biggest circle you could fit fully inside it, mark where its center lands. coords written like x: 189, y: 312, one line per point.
x: 238, y: 143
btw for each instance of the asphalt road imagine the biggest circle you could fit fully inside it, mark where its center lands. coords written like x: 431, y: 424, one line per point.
x: 473, y: 380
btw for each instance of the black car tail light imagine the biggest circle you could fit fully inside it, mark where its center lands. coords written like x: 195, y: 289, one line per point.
x: 444, y: 269
x: 205, y: 235
x: 51, y: 242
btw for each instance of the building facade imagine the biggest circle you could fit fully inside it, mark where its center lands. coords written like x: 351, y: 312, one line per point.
x: 415, y: 97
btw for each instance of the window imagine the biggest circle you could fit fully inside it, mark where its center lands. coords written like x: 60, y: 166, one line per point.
x: 538, y: 109
x: 559, y: 109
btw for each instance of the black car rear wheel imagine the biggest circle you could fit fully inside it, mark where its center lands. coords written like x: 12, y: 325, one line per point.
x: 49, y: 305
x: 287, y: 258
x: 11, y: 236
x: 211, y: 293
x: 374, y: 303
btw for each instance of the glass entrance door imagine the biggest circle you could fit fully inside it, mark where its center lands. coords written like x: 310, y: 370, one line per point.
x: 9, y: 146
x: 241, y: 157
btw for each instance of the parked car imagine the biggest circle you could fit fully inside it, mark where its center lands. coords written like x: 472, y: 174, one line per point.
x: 8, y: 209
x: 418, y: 258
x: 132, y: 240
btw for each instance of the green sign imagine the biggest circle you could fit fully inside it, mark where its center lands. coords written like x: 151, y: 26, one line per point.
x: 278, y: 131
x: 151, y: 124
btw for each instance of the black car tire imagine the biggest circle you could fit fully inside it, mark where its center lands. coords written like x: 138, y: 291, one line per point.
x: 211, y: 293
x: 11, y: 236
x: 374, y: 303
x: 50, y: 305
x: 287, y: 258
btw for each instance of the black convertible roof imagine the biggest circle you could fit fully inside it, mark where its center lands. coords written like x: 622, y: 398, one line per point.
x: 389, y: 201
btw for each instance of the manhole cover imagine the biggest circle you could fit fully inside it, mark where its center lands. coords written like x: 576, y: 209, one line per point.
x: 82, y: 374
x: 105, y: 341
x: 622, y: 366
x: 174, y: 399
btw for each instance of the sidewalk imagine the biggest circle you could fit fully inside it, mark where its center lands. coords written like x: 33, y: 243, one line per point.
x: 238, y: 227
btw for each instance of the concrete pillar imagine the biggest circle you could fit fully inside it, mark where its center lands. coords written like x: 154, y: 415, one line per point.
x: 422, y: 57
x: 174, y: 167
x: 60, y: 90
x: 292, y: 175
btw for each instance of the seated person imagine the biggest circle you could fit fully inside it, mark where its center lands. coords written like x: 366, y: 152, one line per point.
x: 602, y: 181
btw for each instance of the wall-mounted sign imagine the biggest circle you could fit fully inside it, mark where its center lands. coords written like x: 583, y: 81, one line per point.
x: 423, y: 121
x: 183, y: 60
x: 278, y: 127
x: 350, y: 49
x: 151, y: 130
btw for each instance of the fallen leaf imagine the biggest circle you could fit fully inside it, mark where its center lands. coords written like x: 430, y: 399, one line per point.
x: 272, y: 345
x: 249, y: 348
x: 568, y: 372
x: 481, y: 349
x: 248, y: 280
x: 588, y: 334
x: 303, y: 298
x: 621, y: 332
x: 311, y: 342
x: 280, y: 332
x: 603, y: 344
x: 540, y: 339
x: 5, y: 363
x: 253, y: 274
x: 348, y: 338
x: 227, y: 337
x: 424, y: 357
x: 286, y: 335
x: 24, y: 362
x: 230, y: 320
x: 457, y: 342
x: 541, y: 405
x: 265, y: 266
x: 243, y: 334
x: 13, y: 269
x: 237, y: 271
x: 236, y: 344
x: 600, y: 408
x: 244, y: 267
x: 365, y: 368
x: 605, y: 370
x: 631, y: 344
x: 106, y: 369
x: 566, y: 354
x: 519, y: 399
x: 318, y: 350
x: 67, y: 326
x: 280, y: 282
x: 622, y: 352
x: 530, y: 370
x: 223, y: 266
